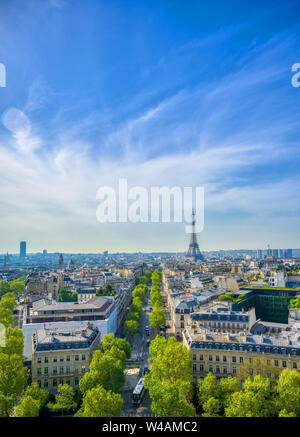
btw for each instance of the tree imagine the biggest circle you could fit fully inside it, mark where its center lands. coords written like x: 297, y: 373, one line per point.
x: 7, y: 306
x: 105, y: 291
x: 4, y: 287
x: 208, y: 388
x: 14, y: 341
x: 36, y: 393
x: 170, y: 379
x: 28, y: 407
x: 109, y: 341
x: 64, y: 399
x: 17, y: 286
x: 13, y: 377
x: 156, y: 299
x: 285, y: 413
x: 255, y: 400
x: 99, y: 402
x: 104, y: 370
x: 157, y: 318
x: 131, y: 327
x: 288, y: 389
x: 133, y: 316
x: 66, y: 296
x: 171, y: 399
x: 212, y: 408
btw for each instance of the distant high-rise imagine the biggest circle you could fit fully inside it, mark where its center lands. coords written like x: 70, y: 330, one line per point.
x: 288, y: 253
x: 5, y: 260
x: 269, y: 251
x: 45, y: 252
x: 275, y: 253
x: 194, y: 251
x: 23, y: 249
x: 259, y: 254
x: 61, y: 261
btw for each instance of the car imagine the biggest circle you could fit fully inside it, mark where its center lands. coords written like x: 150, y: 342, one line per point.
x: 148, y: 343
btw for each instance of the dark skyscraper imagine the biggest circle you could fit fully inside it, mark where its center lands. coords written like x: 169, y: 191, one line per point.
x: 61, y: 261
x: 23, y: 249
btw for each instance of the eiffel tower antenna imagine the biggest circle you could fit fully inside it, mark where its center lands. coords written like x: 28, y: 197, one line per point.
x: 194, y: 251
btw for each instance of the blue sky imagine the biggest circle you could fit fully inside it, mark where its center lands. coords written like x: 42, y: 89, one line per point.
x: 185, y: 93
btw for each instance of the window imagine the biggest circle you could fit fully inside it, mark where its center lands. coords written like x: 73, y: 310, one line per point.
x: 234, y: 359
x: 39, y: 383
x: 68, y: 382
x: 268, y: 362
x: 39, y: 371
x: 283, y: 363
x: 61, y: 370
x: 76, y: 357
x: 181, y: 325
x: 181, y: 317
x: 201, y: 368
x: 194, y: 368
x: 54, y: 382
x: 217, y: 369
x: 210, y: 369
x: 54, y: 359
x: 46, y: 359
x: 76, y: 381
x: 83, y: 357
x: 45, y: 370
x: 217, y: 358
x: 194, y: 357
x: 54, y: 370
x: 234, y: 370
x: 68, y: 358
x: 201, y: 358
x: 251, y: 371
x: 241, y: 359
x: 224, y: 358
x: 45, y: 383
x: 39, y: 360
x: 76, y: 369
x: 210, y: 358
x: 68, y: 369
x: 61, y: 359
x: 276, y: 362
x: 294, y: 365
x: 61, y: 381
x: 224, y: 370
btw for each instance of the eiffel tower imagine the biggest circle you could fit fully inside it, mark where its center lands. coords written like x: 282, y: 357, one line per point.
x: 194, y: 251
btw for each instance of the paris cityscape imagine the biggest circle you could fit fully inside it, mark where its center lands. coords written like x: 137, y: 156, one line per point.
x: 149, y: 227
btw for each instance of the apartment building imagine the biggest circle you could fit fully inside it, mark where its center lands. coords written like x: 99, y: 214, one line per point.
x: 101, y: 311
x: 62, y: 356
x: 241, y: 354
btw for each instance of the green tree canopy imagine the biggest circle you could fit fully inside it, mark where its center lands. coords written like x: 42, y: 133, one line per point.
x: 99, y: 402
x: 288, y: 389
x: 157, y: 318
x: 28, y: 407
x: 13, y: 377
x: 105, y: 370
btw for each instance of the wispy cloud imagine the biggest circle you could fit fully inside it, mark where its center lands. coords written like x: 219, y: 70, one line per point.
x: 233, y: 134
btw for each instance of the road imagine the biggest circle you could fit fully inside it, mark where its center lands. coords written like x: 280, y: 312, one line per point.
x: 140, y: 352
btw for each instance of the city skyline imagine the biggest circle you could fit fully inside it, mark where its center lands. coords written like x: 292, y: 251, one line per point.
x: 159, y: 94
